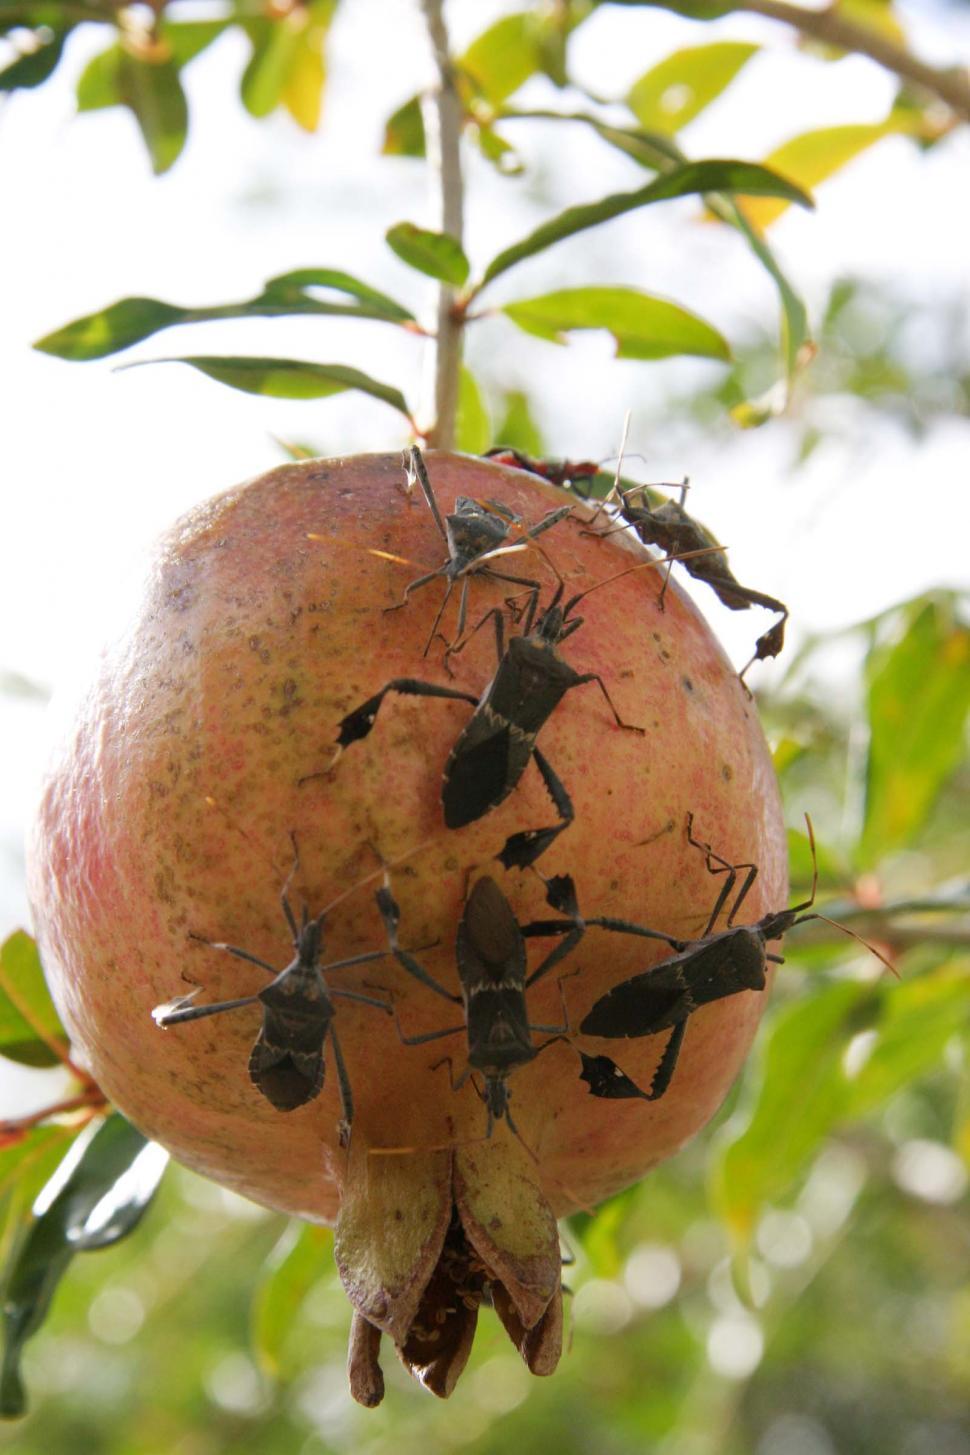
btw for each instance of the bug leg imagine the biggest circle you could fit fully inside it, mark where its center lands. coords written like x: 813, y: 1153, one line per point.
x: 346, y: 1096
x: 626, y: 927
x: 361, y: 999
x: 391, y: 915
x: 414, y: 586
x: 524, y: 848
x: 770, y: 643
x: 456, y: 1084
x: 427, y: 1036
x: 416, y: 469
x: 164, y: 1017
x: 234, y: 950
x: 560, y: 1032
x: 438, y: 615
x: 595, y: 677
x: 667, y: 1062
x: 357, y: 724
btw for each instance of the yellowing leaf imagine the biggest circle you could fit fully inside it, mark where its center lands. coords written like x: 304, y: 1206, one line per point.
x: 676, y: 90
x: 815, y: 156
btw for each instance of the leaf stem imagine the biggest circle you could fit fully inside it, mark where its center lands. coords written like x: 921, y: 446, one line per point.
x: 950, y: 86
x: 442, y: 116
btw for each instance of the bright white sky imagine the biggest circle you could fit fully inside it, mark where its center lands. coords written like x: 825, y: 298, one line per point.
x: 95, y: 463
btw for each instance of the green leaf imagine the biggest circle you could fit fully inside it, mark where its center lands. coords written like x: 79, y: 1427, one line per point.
x: 294, y: 1267
x: 518, y: 429
x: 919, y: 1017
x: 29, y: 1024
x: 435, y: 253
x: 33, y: 67
x: 404, y: 131
x: 473, y: 428
x: 918, y: 702
x: 150, y: 88
x: 287, y: 65
x: 189, y: 38
x: 672, y: 93
x: 502, y: 58
x: 796, y: 342
x: 133, y: 319
x: 644, y: 327
x: 817, y: 155
x: 286, y: 378
x: 802, y: 1092
x: 74, y: 1214
x: 683, y: 181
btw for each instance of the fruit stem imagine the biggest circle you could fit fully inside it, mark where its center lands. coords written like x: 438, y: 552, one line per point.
x: 442, y: 113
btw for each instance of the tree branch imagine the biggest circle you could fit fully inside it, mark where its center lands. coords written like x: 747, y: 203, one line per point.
x: 951, y: 86
x: 442, y: 116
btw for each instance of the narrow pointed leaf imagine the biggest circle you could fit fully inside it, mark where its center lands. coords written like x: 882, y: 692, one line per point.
x: 644, y: 327
x: 287, y: 378
x: 29, y: 1023
x: 803, y: 1091
x: 287, y: 66
x: 404, y: 131
x: 676, y: 90
x: 151, y: 89
x: 33, y: 67
x: 296, y: 1265
x: 918, y: 704
x: 435, y: 253
x: 131, y: 320
x: 502, y: 58
x: 919, y: 1017
x: 815, y: 156
x: 98, y: 1165
x: 687, y: 180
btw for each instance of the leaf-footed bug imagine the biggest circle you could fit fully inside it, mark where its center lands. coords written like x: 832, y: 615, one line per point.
x: 491, y: 958
x: 557, y: 472
x: 476, y: 534
x: 287, y: 1060
x: 672, y: 529
x: 708, y: 969
x: 496, y: 745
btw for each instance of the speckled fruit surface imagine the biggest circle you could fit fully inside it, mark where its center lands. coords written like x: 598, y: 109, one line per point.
x: 168, y: 810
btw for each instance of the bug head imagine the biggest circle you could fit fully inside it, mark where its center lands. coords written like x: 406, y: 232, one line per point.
x: 309, y: 940
x: 495, y: 1095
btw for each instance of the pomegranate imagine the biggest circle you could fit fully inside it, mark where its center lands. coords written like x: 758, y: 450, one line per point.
x: 202, y: 749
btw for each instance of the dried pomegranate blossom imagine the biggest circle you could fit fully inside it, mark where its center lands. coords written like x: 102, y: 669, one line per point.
x: 460, y: 1228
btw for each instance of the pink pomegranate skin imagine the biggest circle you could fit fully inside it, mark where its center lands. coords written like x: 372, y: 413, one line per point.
x: 168, y: 809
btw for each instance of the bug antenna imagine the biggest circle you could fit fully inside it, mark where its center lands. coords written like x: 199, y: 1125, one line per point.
x: 614, y: 494
x: 862, y: 941
x: 643, y: 566
x: 384, y: 866
x: 234, y: 824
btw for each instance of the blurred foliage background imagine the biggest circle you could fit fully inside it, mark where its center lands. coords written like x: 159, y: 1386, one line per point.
x: 796, y: 1281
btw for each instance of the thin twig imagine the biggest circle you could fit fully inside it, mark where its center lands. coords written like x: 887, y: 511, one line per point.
x: 442, y: 115
x: 951, y: 86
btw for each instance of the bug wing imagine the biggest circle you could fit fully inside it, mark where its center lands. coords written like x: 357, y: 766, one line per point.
x: 286, y: 1078
x: 647, y: 1003
x: 481, y: 771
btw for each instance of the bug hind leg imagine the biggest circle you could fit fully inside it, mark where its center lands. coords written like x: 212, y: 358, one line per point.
x: 522, y: 849
x: 716, y: 864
